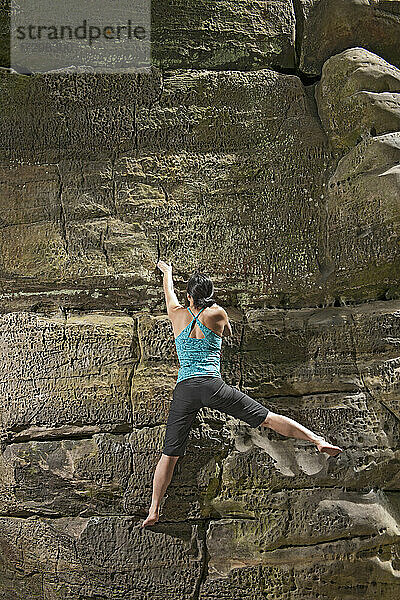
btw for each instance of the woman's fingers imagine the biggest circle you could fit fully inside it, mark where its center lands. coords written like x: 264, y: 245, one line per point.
x: 163, y: 266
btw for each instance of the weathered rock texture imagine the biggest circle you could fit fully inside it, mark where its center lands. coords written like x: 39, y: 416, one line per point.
x: 286, y: 191
x: 330, y: 26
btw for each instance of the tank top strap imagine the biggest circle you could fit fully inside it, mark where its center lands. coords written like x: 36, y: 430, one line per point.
x: 195, y: 316
x: 195, y: 319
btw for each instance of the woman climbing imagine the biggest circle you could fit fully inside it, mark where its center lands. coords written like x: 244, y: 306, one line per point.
x: 199, y: 383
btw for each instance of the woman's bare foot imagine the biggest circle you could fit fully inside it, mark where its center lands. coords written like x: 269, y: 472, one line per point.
x: 324, y: 446
x: 152, y: 517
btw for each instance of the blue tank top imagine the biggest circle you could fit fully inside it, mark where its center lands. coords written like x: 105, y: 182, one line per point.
x: 198, y: 356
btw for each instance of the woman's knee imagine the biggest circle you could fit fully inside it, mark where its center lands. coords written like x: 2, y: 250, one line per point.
x: 269, y: 419
x: 169, y: 458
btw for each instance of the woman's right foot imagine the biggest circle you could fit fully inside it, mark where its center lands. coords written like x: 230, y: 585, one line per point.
x: 324, y: 446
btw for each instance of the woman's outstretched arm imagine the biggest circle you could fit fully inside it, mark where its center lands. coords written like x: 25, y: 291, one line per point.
x: 171, y: 299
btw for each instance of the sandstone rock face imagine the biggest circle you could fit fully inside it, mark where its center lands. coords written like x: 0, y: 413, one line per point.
x: 358, y: 97
x: 286, y: 191
x: 209, y: 34
x: 76, y: 467
x: 209, y: 152
x: 221, y: 35
x: 330, y: 26
x: 214, y: 156
x: 358, y: 100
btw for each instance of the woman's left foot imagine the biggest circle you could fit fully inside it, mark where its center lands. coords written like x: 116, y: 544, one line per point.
x: 152, y: 518
x: 324, y: 446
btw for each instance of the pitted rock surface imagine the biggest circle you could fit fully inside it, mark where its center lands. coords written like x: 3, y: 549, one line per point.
x: 265, y: 152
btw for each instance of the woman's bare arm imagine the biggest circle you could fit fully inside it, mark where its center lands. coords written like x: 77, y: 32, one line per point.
x: 171, y: 299
x: 223, y: 322
x: 227, y: 328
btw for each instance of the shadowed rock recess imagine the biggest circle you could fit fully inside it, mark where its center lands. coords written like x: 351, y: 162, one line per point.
x: 264, y: 149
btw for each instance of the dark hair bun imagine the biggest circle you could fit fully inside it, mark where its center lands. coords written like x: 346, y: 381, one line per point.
x: 203, y: 302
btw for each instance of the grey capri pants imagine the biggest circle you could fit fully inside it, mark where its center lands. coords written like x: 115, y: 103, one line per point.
x: 193, y: 393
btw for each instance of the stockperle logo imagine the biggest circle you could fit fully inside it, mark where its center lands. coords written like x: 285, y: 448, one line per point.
x: 113, y: 36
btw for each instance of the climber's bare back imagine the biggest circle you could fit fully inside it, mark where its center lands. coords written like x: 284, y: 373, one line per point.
x: 214, y: 317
